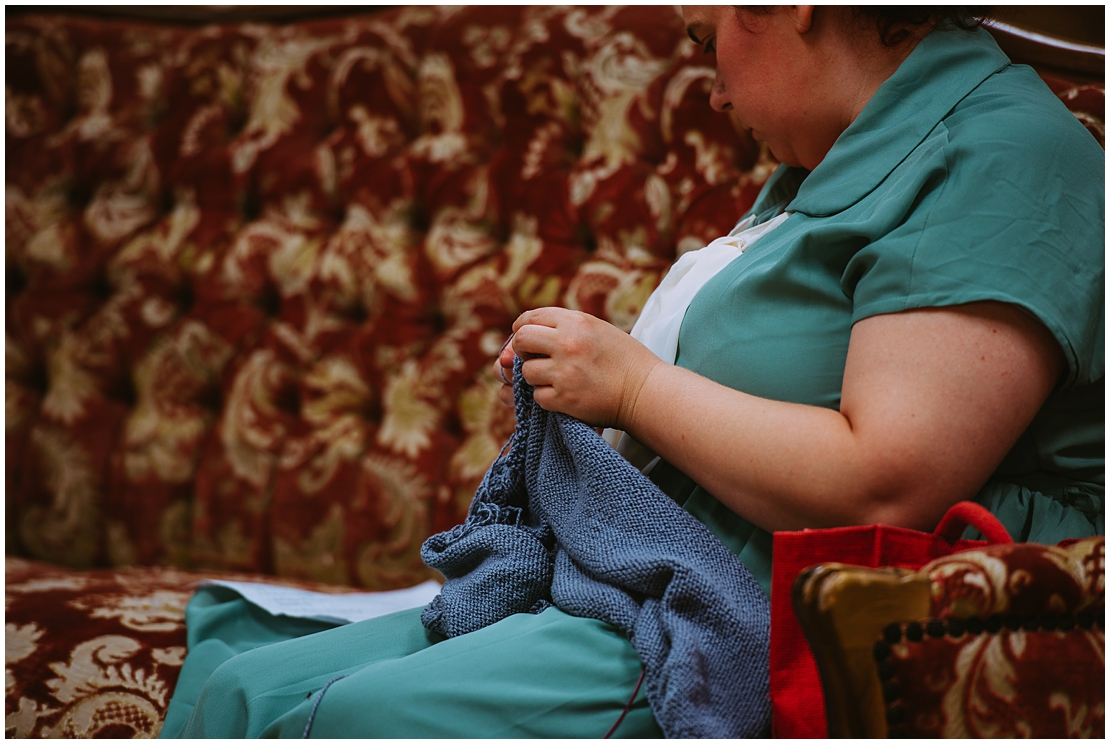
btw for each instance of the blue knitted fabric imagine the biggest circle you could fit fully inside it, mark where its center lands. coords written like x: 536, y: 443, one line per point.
x: 562, y: 519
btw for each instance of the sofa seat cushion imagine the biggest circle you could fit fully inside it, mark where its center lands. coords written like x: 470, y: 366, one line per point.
x: 97, y: 653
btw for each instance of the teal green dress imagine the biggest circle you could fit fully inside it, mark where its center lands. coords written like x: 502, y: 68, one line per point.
x: 963, y: 179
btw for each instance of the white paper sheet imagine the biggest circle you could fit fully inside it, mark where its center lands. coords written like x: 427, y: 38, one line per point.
x: 335, y: 608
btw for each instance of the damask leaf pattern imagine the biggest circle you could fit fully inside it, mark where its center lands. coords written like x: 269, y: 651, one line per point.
x: 102, y: 663
x: 1017, y: 649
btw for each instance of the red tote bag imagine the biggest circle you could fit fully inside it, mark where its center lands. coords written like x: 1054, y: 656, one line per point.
x: 797, y: 703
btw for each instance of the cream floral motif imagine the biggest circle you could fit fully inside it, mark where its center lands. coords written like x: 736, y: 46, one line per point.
x: 444, y: 359
x: 376, y: 135
x: 165, y: 241
x: 486, y: 44
x: 442, y: 113
x: 20, y: 403
x: 290, y: 254
x: 532, y: 30
x: 53, y: 246
x: 180, y: 364
x: 20, y: 724
x: 1085, y: 562
x: 277, y: 62
x: 33, y: 224
x: 160, y: 612
x: 977, y: 583
x: 493, y: 283
x: 65, y: 530
x: 394, y: 237
x: 94, y: 96
x: 985, y: 673
x: 589, y: 25
x: 20, y: 641
x: 623, y: 282
x: 119, y: 208
x: 335, y: 387
x: 20, y: 407
x: 20, y: 221
x: 711, y: 162
x: 172, y: 656
x: 151, y: 81
x: 407, y: 418
x: 537, y: 149
x: 675, y: 93
x: 192, y: 143
x: 251, y: 430
x: 336, y: 401
x: 71, y: 386
x: 163, y: 442
x: 982, y: 665
x: 102, y: 663
x: 1079, y: 718
x: 71, y: 582
x: 320, y: 555
x: 461, y: 236
x: 24, y: 115
x: 620, y: 71
x: 487, y: 424
x: 982, y: 584
x: 398, y: 84
x: 523, y: 248
x: 108, y: 711
x: 404, y: 492
x: 368, y: 254
x: 658, y: 197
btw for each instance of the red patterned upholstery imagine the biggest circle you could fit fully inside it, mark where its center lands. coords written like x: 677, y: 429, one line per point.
x: 1016, y: 647
x: 97, y: 653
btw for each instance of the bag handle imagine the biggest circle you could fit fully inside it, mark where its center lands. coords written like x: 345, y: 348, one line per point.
x: 965, y: 514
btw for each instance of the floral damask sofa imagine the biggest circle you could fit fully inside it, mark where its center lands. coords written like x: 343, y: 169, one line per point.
x: 256, y: 277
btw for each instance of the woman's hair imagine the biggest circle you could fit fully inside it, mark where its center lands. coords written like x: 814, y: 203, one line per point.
x: 895, y: 23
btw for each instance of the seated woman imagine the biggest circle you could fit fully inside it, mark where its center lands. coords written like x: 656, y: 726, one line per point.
x: 919, y: 322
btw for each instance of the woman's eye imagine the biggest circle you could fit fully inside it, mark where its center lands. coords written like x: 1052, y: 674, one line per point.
x: 708, y: 46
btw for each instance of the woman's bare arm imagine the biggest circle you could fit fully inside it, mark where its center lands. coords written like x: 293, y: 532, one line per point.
x: 932, y: 400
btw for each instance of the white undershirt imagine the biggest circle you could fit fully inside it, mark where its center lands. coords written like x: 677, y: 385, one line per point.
x: 661, y: 319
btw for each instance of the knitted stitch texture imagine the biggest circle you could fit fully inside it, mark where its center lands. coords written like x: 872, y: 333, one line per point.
x: 562, y: 519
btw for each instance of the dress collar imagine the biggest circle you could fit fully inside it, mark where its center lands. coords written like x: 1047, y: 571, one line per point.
x: 943, y: 68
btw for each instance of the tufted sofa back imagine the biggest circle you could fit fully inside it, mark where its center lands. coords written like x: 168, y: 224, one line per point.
x: 257, y: 274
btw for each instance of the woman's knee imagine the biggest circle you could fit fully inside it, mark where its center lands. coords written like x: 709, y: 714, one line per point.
x: 222, y: 705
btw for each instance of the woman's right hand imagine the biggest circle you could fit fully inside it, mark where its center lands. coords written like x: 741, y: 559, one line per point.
x: 578, y: 364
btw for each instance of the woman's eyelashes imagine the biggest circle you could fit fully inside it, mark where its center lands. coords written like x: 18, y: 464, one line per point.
x: 707, y: 46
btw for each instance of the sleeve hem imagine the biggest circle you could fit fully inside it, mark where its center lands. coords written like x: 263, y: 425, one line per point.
x: 922, y: 301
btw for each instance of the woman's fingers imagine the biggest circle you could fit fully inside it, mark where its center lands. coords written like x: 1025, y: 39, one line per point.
x: 538, y: 372
x: 532, y: 341
x: 542, y: 316
x: 505, y: 358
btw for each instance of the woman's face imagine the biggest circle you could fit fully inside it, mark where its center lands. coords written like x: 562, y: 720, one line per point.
x: 765, y: 75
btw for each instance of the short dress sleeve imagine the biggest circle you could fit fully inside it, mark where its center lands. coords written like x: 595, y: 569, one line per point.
x: 1011, y: 209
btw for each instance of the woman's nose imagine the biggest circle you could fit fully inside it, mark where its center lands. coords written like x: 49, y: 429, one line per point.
x: 718, y: 98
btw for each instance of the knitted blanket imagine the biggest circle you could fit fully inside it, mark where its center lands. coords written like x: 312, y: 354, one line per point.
x: 562, y: 518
